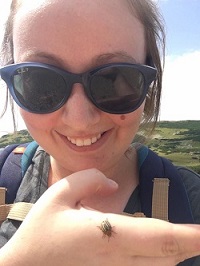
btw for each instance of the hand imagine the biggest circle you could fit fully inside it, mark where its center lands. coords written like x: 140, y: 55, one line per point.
x: 60, y: 231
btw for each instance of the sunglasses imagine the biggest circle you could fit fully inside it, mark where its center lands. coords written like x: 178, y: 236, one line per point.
x: 113, y: 88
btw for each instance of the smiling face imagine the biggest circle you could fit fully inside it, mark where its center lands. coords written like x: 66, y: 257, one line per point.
x: 77, y: 36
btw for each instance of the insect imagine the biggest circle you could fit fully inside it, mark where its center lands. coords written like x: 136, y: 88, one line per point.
x: 107, y: 229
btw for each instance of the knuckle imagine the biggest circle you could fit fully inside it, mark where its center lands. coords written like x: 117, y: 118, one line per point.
x: 170, y: 247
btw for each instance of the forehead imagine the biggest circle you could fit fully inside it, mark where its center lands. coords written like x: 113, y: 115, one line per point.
x: 72, y: 5
x: 110, y: 12
x: 74, y: 24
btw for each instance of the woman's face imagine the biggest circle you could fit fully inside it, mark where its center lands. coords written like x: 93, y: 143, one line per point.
x: 77, y: 36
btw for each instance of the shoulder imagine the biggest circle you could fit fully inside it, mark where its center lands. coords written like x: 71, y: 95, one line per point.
x: 191, y: 181
x: 188, y: 174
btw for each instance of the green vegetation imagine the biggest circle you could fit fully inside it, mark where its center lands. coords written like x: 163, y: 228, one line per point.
x: 21, y: 136
x: 178, y: 141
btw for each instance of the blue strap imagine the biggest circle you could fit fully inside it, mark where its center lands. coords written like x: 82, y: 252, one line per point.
x: 155, y: 166
x: 13, y: 166
x: 11, y: 174
x: 27, y: 156
x: 5, y: 153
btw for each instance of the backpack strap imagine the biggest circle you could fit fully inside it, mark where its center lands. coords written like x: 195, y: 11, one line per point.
x: 27, y: 156
x: 10, y: 177
x: 19, y: 210
x: 13, y: 164
x: 14, y: 161
x: 5, y: 153
x: 16, y: 211
x: 153, y: 167
x: 160, y: 198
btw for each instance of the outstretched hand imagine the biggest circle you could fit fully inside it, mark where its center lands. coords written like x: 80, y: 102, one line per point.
x: 60, y: 231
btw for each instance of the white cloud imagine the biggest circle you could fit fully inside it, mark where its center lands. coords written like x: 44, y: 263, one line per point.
x: 180, y: 99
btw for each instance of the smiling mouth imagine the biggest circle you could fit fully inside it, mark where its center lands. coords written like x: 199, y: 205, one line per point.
x: 84, y: 142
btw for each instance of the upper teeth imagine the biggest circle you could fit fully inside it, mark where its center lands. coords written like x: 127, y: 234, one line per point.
x: 84, y: 142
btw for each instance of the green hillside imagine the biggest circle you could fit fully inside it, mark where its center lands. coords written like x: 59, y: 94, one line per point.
x: 21, y: 136
x: 178, y: 141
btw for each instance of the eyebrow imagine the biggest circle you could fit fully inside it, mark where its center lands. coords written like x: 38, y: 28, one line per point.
x: 43, y: 55
x: 118, y: 56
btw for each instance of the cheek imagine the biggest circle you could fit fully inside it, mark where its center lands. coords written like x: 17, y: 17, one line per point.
x: 123, y: 117
x: 36, y: 121
x: 131, y: 119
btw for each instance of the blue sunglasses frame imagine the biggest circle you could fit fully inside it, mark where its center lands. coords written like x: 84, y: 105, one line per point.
x: 147, y: 73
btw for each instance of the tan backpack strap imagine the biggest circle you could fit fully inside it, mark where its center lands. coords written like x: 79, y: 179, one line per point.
x: 16, y: 211
x: 4, y: 210
x: 2, y: 195
x: 136, y: 214
x: 160, y: 198
x: 19, y: 210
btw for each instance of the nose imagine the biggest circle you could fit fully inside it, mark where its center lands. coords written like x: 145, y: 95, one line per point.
x: 79, y: 112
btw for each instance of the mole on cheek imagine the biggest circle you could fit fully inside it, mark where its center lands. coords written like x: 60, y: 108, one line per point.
x: 122, y: 117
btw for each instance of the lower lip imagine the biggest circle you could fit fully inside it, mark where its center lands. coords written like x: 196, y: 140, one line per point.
x: 90, y: 148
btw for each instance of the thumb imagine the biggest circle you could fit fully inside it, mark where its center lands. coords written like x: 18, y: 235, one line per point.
x: 81, y: 185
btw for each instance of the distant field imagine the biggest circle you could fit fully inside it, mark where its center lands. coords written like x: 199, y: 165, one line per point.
x: 21, y: 136
x: 179, y: 141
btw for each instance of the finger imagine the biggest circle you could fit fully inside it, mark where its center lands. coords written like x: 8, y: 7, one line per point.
x: 81, y: 185
x: 144, y: 261
x: 155, y: 238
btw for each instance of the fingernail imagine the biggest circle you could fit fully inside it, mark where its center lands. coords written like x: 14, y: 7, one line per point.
x: 112, y: 183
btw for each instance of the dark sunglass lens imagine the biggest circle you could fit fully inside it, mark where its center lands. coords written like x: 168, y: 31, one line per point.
x: 38, y: 89
x: 118, y: 89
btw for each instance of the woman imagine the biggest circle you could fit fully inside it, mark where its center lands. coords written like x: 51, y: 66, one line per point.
x: 75, y: 63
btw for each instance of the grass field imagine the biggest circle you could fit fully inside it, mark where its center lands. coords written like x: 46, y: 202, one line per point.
x: 178, y: 141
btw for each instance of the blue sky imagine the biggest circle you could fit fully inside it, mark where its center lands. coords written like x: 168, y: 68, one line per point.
x: 180, y: 97
x: 183, y: 25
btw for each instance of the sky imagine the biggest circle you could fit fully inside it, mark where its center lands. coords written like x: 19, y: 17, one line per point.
x: 180, y: 97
